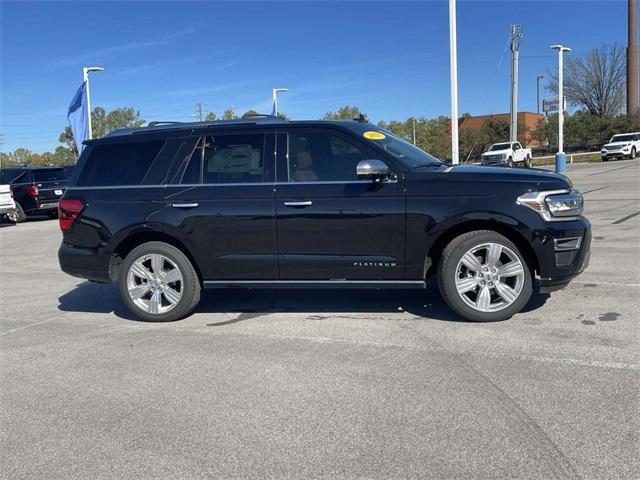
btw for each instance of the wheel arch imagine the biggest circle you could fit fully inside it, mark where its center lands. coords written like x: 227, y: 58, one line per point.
x: 434, y: 253
x: 128, y: 243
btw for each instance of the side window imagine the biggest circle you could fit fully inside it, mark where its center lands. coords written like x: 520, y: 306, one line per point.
x: 119, y: 164
x: 322, y: 157
x: 516, y: 146
x: 227, y: 159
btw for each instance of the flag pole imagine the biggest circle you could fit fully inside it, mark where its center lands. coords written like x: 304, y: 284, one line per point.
x: 85, y: 79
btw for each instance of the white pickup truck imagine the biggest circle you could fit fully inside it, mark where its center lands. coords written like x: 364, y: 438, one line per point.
x: 7, y: 205
x: 507, y: 154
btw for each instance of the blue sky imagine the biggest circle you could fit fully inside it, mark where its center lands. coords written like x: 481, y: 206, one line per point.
x: 389, y: 58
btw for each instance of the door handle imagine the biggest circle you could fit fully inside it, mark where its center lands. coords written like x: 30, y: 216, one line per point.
x: 306, y: 203
x: 184, y: 205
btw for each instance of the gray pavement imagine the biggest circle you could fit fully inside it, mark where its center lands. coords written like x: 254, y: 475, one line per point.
x: 325, y: 384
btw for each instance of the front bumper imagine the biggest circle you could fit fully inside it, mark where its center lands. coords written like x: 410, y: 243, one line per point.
x: 615, y: 154
x: 564, y: 251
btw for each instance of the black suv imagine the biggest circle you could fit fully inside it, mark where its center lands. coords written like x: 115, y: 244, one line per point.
x: 36, y: 189
x: 168, y: 209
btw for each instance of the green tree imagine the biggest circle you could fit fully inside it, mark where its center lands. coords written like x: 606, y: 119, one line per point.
x: 229, y: 114
x: 250, y: 113
x: 103, y: 123
x: 345, y: 113
x: 495, y: 131
x: 211, y: 116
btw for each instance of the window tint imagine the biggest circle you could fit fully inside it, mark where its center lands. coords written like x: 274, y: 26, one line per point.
x: 227, y: 159
x: 50, y: 174
x: 12, y: 176
x: 119, y: 164
x: 322, y: 157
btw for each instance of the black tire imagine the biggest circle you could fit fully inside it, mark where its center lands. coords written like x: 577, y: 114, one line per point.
x: 510, y: 162
x: 527, y: 162
x: 12, y: 216
x: 633, y: 153
x: 190, y: 285
x: 20, y: 215
x: 453, y: 254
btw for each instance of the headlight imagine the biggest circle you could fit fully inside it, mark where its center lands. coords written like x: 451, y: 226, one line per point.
x: 554, y: 205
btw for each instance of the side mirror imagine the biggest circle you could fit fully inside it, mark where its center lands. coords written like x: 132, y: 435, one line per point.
x: 375, y: 170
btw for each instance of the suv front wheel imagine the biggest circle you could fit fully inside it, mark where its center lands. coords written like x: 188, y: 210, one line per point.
x: 483, y: 277
x: 158, y: 282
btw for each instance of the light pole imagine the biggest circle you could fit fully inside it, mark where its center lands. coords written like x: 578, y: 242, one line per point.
x: 453, y: 58
x: 538, y: 78
x: 85, y: 78
x: 275, y: 93
x: 561, y: 160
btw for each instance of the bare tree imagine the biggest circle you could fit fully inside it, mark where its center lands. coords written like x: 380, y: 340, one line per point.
x: 595, y: 82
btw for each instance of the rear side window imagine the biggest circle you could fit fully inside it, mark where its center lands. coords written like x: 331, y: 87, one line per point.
x: 50, y: 175
x: 227, y: 158
x: 119, y: 164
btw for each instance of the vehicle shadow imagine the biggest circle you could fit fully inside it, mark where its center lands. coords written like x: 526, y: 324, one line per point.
x: 319, y: 304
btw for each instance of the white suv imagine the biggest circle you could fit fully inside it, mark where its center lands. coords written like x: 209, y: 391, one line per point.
x: 622, y: 145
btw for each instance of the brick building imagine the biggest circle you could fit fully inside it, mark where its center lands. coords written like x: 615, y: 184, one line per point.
x: 527, y: 123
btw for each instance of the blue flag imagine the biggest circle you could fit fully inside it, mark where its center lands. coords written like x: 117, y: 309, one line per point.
x: 77, y: 116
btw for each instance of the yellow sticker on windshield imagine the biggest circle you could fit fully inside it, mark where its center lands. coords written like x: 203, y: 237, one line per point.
x: 371, y: 135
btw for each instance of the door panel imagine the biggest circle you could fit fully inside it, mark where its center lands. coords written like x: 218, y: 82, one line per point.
x: 333, y: 229
x: 229, y: 225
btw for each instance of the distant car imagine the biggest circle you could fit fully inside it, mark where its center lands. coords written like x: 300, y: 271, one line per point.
x: 7, y: 205
x: 622, y: 145
x: 507, y: 154
x: 36, y: 190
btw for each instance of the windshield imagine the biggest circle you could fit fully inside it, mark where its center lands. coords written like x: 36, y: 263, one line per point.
x: 49, y: 175
x: 622, y: 138
x: 500, y: 146
x: 402, y: 150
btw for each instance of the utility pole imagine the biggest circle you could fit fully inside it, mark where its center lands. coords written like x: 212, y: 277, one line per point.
x: 538, y: 78
x: 516, y: 37
x: 199, y: 112
x: 453, y: 59
x: 633, y: 86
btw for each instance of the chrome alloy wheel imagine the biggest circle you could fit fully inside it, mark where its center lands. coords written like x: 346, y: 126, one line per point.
x: 489, y: 277
x: 154, y: 284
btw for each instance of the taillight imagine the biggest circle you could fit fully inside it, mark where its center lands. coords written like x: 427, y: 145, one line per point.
x: 68, y: 212
x: 32, y: 190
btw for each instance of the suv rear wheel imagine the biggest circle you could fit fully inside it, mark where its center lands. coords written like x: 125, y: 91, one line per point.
x: 158, y: 283
x: 483, y: 277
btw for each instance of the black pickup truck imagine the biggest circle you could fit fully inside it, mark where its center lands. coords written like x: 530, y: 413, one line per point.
x: 169, y: 209
x: 36, y: 189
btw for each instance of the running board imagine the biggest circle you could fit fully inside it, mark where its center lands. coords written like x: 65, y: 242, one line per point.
x: 382, y: 284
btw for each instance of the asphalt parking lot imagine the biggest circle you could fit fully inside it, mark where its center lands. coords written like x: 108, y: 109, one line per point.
x: 325, y: 384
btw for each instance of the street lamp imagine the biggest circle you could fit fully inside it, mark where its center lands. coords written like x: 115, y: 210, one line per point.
x: 561, y: 160
x: 538, y: 78
x: 453, y: 58
x: 275, y: 93
x: 85, y: 78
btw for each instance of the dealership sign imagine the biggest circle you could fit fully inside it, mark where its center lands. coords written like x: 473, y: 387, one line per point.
x: 552, y: 105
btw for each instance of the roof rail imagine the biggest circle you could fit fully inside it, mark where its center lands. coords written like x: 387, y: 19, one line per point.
x: 260, y: 115
x: 160, y: 122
